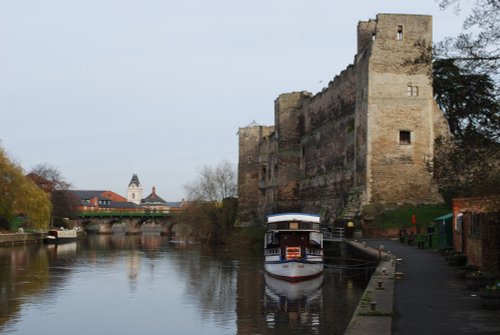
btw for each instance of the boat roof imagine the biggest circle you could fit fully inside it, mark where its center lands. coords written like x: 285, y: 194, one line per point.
x: 293, y: 217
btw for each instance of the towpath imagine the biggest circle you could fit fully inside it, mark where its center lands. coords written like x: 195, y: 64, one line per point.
x: 431, y: 298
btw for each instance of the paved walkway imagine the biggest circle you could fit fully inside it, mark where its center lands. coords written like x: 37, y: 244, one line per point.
x: 431, y: 298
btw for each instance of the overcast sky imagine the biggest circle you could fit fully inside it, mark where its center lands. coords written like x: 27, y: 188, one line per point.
x: 102, y: 89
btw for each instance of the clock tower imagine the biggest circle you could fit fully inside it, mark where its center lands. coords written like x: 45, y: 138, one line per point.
x: 134, y: 190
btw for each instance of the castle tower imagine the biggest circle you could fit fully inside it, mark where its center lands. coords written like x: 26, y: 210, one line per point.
x: 252, y: 171
x: 397, y: 118
x: 134, y: 190
x: 367, y: 138
x: 289, y: 125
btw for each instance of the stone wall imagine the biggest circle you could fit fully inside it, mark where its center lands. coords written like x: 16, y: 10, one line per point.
x: 327, y: 147
x: 289, y: 131
x: 400, y: 99
x: 251, y: 139
x: 366, y: 138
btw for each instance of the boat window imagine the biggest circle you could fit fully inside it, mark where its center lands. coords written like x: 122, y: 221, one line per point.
x: 315, y: 238
x: 272, y: 238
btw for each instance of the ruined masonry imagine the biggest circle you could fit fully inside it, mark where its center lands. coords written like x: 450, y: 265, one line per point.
x: 365, y: 139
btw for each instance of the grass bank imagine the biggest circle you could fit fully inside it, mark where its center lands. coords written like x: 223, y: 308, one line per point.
x: 401, y: 217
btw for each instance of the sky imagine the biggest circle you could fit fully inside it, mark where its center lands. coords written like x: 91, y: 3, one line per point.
x: 103, y: 89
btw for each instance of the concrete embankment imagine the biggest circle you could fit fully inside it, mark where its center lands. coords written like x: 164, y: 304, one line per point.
x: 376, y: 307
x: 21, y: 238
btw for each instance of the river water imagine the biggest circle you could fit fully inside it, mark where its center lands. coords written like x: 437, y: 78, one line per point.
x: 117, y: 284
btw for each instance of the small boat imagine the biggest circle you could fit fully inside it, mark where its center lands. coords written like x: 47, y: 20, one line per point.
x: 61, y: 236
x: 293, y: 248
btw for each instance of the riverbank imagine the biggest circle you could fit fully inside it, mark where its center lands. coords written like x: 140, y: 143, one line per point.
x: 10, y: 239
x: 376, y: 307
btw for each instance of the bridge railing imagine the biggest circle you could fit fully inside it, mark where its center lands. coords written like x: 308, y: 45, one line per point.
x: 121, y: 213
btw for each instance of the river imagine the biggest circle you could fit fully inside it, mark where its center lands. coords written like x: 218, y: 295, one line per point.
x: 118, y: 284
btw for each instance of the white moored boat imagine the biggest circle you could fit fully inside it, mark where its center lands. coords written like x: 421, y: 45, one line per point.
x: 61, y: 236
x: 293, y: 248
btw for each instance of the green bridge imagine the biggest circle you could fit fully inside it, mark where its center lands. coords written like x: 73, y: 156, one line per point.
x: 129, y: 222
x: 125, y: 214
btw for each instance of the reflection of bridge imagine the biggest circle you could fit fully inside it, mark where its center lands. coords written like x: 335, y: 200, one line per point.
x: 128, y: 222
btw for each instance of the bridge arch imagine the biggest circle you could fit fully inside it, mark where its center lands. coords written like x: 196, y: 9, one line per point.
x: 126, y: 222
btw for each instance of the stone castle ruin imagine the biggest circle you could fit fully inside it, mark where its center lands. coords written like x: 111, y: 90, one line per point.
x: 365, y: 139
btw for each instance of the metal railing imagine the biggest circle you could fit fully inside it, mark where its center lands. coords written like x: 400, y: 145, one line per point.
x: 337, y: 234
x: 121, y: 213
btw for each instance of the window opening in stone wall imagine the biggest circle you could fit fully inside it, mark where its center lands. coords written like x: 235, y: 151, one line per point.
x: 404, y: 137
x: 399, y: 34
x: 374, y: 36
x: 475, y: 225
x: 263, y: 175
x: 133, y: 195
x: 412, y: 91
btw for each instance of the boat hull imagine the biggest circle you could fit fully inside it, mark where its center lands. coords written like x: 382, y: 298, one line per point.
x: 294, y: 270
x: 60, y: 236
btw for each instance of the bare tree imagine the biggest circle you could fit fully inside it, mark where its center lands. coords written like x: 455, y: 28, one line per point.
x: 477, y: 48
x: 63, y: 201
x: 212, y: 209
x: 214, y: 183
x: 51, y: 174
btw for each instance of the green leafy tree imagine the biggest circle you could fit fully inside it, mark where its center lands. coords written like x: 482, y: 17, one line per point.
x: 465, y: 76
x: 468, y: 100
x: 20, y: 196
x: 466, y: 170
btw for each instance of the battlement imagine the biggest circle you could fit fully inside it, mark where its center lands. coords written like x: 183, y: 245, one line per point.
x: 389, y: 29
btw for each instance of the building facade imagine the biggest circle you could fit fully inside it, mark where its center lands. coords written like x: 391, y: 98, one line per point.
x: 476, y: 231
x: 366, y: 138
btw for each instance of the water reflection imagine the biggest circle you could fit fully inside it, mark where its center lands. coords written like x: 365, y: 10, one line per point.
x: 62, y: 250
x: 293, y: 303
x: 23, y: 275
x: 192, y: 288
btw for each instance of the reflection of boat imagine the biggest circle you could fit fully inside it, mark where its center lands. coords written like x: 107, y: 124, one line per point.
x: 60, y: 236
x: 294, y: 290
x: 63, y: 250
x: 293, y: 247
x: 294, y: 305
